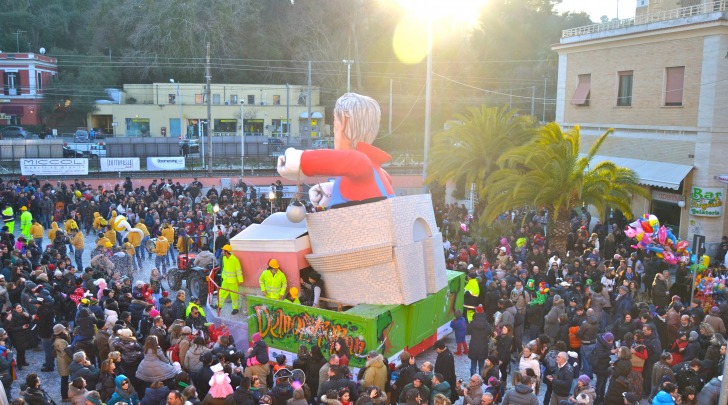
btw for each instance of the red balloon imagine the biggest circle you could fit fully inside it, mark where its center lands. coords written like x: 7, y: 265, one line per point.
x: 646, y: 226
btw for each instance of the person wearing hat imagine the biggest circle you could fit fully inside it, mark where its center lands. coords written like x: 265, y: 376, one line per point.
x: 9, y: 218
x: 713, y: 319
x: 600, y: 364
x: 273, y: 283
x: 160, y: 249
x: 232, y: 278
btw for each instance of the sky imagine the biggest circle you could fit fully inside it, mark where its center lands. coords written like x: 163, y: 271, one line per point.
x: 598, y: 8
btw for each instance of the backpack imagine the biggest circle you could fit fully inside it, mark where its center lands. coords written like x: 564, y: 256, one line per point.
x: 131, y: 357
x: 517, y: 319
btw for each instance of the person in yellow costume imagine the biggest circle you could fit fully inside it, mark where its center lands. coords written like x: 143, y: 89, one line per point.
x: 9, y: 217
x: 232, y: 277
x: 168, y: 232
x: 161, y: 248
x: 472, y: 292
x: 37, y: 231
x: 184, y: 243
x: 135, y: 240
x: 110, y: 234
x: 26, y: 220
x: 102, y: 240
x: 52, y: 231
x: 99, y: 222
x: 70, y: 224
x: 273, y: 283
x: 77, y: 241
x: 143, y: 227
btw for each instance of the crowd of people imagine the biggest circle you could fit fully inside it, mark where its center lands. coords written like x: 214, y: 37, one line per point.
x: 594, y: 326
x: 601, y: 324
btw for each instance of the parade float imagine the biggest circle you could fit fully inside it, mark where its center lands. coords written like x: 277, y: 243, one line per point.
x: 380, y: 257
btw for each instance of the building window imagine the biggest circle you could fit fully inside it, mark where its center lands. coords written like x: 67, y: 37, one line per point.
x: 12, y: 84
x: 215, y: 99
x: 624, y: 93
x: 233, y: 99
x: 276, y: 99
x: 38, y: 81
x: 172, y: 98
x: 198, y: 98
x: 137, y: 127
x: 583, y: 90
x: 674, y: 79
x: 251, y: 100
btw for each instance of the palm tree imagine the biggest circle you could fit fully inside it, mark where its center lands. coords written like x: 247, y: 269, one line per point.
x: 550, y: 173
x: 467, y: 153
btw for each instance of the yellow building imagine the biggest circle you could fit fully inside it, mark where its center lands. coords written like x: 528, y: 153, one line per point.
x: 661, y: 81
x: 175, y: 109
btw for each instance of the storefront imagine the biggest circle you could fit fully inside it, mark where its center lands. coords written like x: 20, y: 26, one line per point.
x: 666, y: 205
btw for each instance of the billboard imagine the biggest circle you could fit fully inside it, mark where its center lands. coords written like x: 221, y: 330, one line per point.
x: 119, y: 164
x: 707, y: 201
x: 54, y: 167
x: 165, y: 163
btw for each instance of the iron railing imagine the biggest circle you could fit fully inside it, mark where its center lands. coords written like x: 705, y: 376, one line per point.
x: 704, y: 8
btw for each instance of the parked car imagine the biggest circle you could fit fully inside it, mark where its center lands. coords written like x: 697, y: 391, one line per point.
x: 192, y: 144
x: 323, y: 143
x: 81, y: 135
x: 71, y: 153
x: 12, y: 132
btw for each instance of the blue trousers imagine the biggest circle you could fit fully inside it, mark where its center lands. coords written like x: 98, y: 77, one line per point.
x: 586, y: 351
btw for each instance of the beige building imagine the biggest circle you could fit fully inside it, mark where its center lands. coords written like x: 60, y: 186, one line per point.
x: 661, y: 81
x: 174, y: 109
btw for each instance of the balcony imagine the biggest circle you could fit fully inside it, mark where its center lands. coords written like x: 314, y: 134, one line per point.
x: 667, y: 15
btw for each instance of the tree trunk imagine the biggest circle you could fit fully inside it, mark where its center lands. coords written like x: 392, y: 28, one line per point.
x: 558, y: 233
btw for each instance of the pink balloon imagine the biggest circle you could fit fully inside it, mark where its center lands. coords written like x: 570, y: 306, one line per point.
x: 662, y: 234
x: 630, y: 232
x: 670, y: 257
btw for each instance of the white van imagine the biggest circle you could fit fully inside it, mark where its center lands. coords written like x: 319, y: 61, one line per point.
x: 89, y: 150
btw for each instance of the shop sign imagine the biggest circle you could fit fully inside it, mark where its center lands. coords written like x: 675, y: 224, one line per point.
x: 165, y: 163
x: 723, y: 178
x: 54, y: 167
x: 119, y: 164
x: 666, y: 197
x: 707, y: 201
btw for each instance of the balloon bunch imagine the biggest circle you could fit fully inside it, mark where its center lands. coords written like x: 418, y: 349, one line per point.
x: 709, y: 285
x: 653, y: 237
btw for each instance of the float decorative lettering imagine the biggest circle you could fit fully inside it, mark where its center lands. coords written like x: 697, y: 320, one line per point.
x: 305, y: 328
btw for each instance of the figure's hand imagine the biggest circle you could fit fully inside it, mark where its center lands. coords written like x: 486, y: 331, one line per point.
x: 289, y: 163
x: 320, y: 194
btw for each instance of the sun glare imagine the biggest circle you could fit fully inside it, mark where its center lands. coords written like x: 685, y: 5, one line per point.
x: 410, y: 37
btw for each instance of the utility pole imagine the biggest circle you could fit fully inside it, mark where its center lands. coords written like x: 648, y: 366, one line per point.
x: 17, y: 39
x: 543, y: 115
x: 208, y: 81
x: 348, y: 74
x: 533, y: 101
x: 390, y: 105
x: 310, y: 129
x: 288, y: 113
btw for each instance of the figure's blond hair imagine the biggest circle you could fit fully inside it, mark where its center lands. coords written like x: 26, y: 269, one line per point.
x: 363, y: 115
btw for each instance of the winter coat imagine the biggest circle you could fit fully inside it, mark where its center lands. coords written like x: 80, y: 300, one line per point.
x: 662, y: 398
x: 77, y: 396
x: 710, y: 392
x: 480, y: 332
x: 36, y: 396
x: 441, y: 388
x: 520, y: 395
x: 459, y: 326
x: 192, y: 361
x: 155, y: 396
x: 602, y: 351
x: 563, y: 378
x: 376, y: 373
x: 128, y: 396
x: 551, y: 324
x: 23, y: 338
x: 89, y: 373
x: 445, y: 365
x: 243, y: 397
x: 155, y: 367
x: 504, y: 344
x: 532, y: 363
x: 622, y: 368
x: 588, y: 329
x: 106, y: 386
x: 131, y: 353
x: 63, y: 362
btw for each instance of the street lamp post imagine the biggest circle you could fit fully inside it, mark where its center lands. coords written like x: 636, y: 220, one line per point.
x: 242, y: 139
x: 348, y: 63
x: 271, y: 197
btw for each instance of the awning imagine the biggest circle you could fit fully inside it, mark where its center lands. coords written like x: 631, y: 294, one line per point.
x: 314, y: 114
x: 581, y: 95
x: 12, y: 109
x: 651, y: 173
